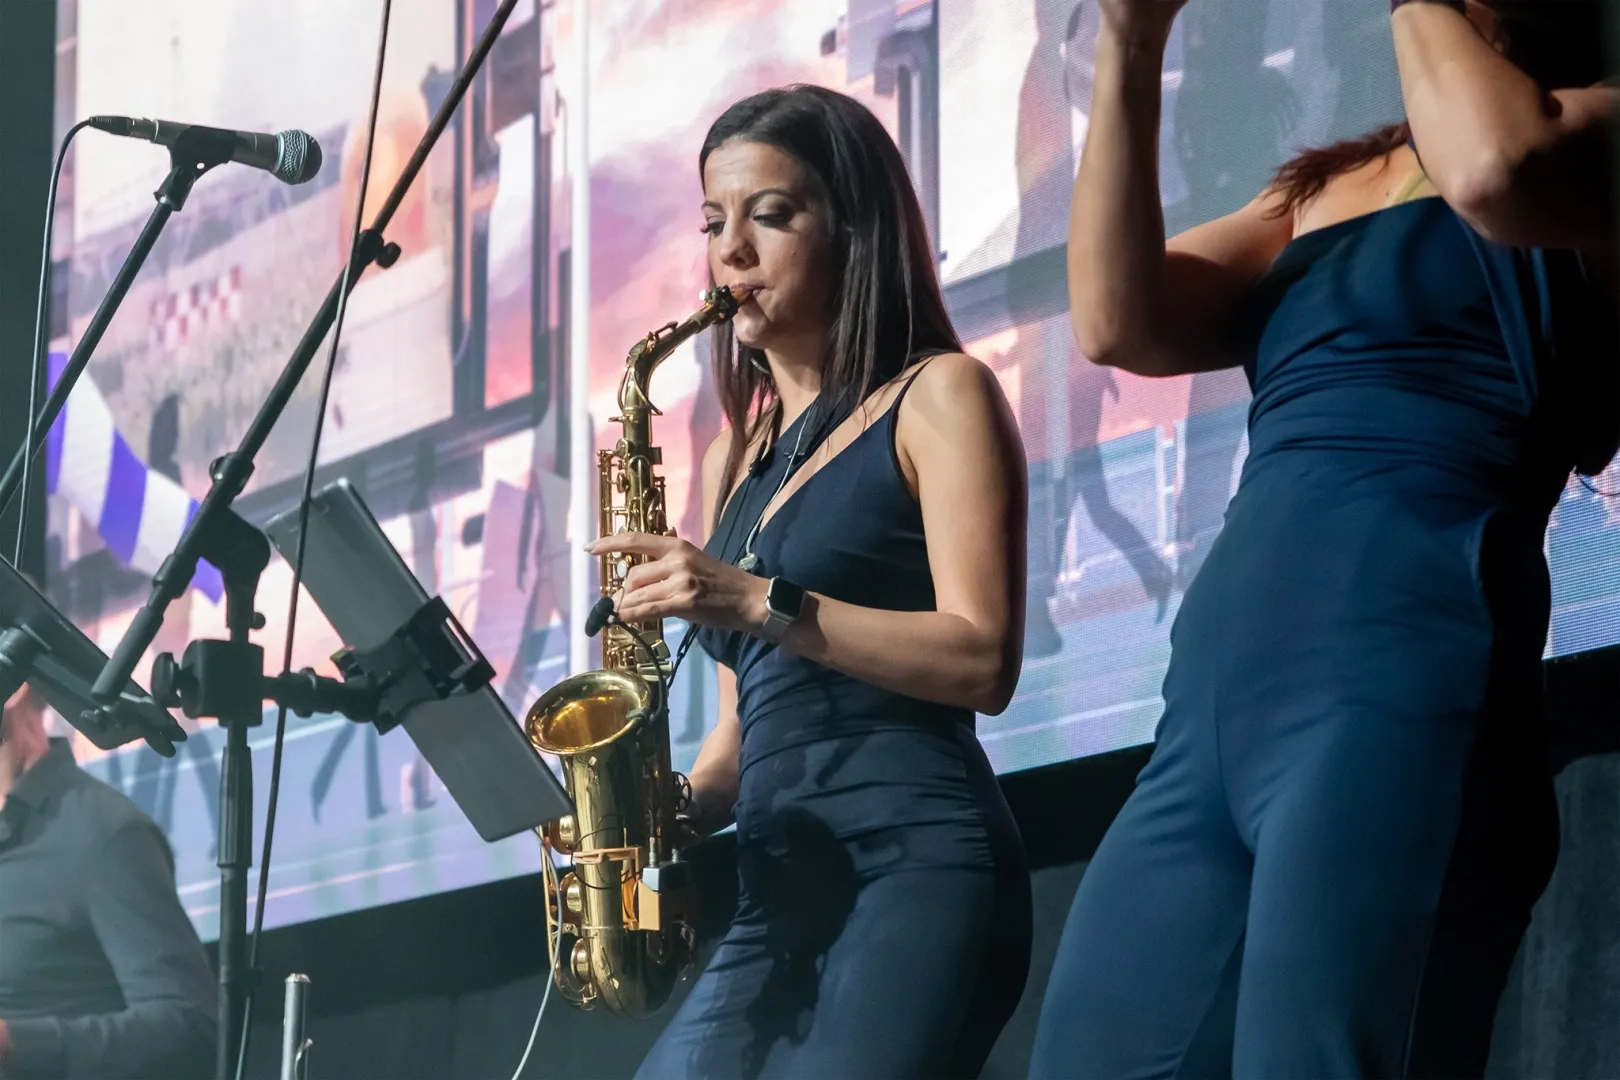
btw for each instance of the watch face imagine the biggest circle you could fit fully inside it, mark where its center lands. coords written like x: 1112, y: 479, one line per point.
x: 784, y: 598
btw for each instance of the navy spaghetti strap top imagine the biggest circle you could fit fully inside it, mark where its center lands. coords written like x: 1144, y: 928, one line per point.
x: 1416, y: 412
x: 852, y: 531
x: 902, y: 781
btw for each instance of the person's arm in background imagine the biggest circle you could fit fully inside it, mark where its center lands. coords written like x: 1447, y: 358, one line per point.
x: 1524, y: 166
x: 715, y: 774
x: 167, y: 1026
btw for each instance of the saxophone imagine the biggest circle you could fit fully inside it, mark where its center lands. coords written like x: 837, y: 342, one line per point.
x: 622, y: 933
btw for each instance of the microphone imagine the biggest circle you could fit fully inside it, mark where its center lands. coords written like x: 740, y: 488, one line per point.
x: 293, y: 157
x: 598, y: 616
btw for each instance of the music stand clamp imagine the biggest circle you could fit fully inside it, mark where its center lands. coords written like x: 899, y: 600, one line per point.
x: 18, y: 651
x: 429, y: 658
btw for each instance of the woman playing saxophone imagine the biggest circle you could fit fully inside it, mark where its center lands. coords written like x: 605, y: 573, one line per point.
x: 862, y: 591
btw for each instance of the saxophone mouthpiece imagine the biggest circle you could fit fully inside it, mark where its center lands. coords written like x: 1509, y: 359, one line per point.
x: 741, y: 293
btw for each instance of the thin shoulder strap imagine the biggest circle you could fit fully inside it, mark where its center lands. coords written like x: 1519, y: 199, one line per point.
x: 894, y: 410
x: 894, y: 415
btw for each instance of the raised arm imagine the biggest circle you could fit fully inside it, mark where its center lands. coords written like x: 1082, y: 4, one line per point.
x: 1523, y: 166
x: 1137, y: 302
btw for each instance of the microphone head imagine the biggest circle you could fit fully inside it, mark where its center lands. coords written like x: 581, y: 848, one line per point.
x: 298, y: 157
x: 598, y: 616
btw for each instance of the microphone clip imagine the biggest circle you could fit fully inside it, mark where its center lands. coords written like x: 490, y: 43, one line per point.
x: 194, y: 152
x: 600, y: 615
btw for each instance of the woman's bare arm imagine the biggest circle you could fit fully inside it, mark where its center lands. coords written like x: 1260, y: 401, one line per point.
x: 714, y: 776
x: 958, y: 436
x: 1523, y: 166
x: 1137, y: 302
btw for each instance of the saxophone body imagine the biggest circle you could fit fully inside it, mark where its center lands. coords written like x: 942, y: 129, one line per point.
x: 622, y: 933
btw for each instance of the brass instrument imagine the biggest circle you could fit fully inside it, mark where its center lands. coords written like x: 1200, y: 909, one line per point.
x: 622, y: 934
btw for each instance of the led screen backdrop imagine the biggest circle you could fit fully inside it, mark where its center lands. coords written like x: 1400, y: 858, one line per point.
x: 452, y: 409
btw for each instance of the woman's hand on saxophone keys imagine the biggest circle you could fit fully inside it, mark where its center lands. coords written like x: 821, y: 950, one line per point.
x: 680, y: 581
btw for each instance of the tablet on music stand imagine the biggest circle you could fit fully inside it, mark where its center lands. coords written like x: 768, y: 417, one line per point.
x: 367, y: 593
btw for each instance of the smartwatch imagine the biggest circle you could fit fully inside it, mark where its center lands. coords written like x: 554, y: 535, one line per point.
x: 783, y: 603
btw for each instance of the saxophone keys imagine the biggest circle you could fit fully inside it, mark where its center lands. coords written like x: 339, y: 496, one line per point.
x: 565, y: 834
x: 580, y: 960
x: 573, y: 897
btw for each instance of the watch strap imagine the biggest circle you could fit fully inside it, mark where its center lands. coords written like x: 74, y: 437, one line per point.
x: 775, y: 627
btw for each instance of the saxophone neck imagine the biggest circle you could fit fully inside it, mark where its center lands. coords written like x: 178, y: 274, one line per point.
x: 718, y: 306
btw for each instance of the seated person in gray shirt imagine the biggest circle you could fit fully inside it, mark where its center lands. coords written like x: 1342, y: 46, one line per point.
x: 101, y: 973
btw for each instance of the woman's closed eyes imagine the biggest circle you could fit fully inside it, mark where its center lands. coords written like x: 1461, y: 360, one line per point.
x: 772, y: 219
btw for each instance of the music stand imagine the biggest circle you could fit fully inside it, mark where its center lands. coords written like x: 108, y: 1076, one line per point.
x: 39, y: 646
x: 367, y: 592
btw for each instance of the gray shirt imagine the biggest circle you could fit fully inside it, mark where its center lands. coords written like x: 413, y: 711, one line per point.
x: 101, y: 973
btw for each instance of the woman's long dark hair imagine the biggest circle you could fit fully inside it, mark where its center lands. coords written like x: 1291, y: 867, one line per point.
x: 885, y: 304
x: 1558, y: 43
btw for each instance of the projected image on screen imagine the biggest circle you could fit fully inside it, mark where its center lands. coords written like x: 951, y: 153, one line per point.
x: 452, y: 411
x: 448, y: 407
x: 242, y: 268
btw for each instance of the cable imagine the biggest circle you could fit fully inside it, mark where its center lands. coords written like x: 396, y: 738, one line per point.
x: 548, y: 874
x: 738, y: 498
x: 688, y: 636
x: 305, y: 498
x: 652, y: 657
x: 41, y: 309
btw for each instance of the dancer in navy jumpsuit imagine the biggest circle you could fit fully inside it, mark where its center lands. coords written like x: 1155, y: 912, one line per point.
x: 1327, y: 865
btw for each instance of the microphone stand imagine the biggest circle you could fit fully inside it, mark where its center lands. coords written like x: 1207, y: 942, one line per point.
x: 215, y: 533
x: 196, y: 151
